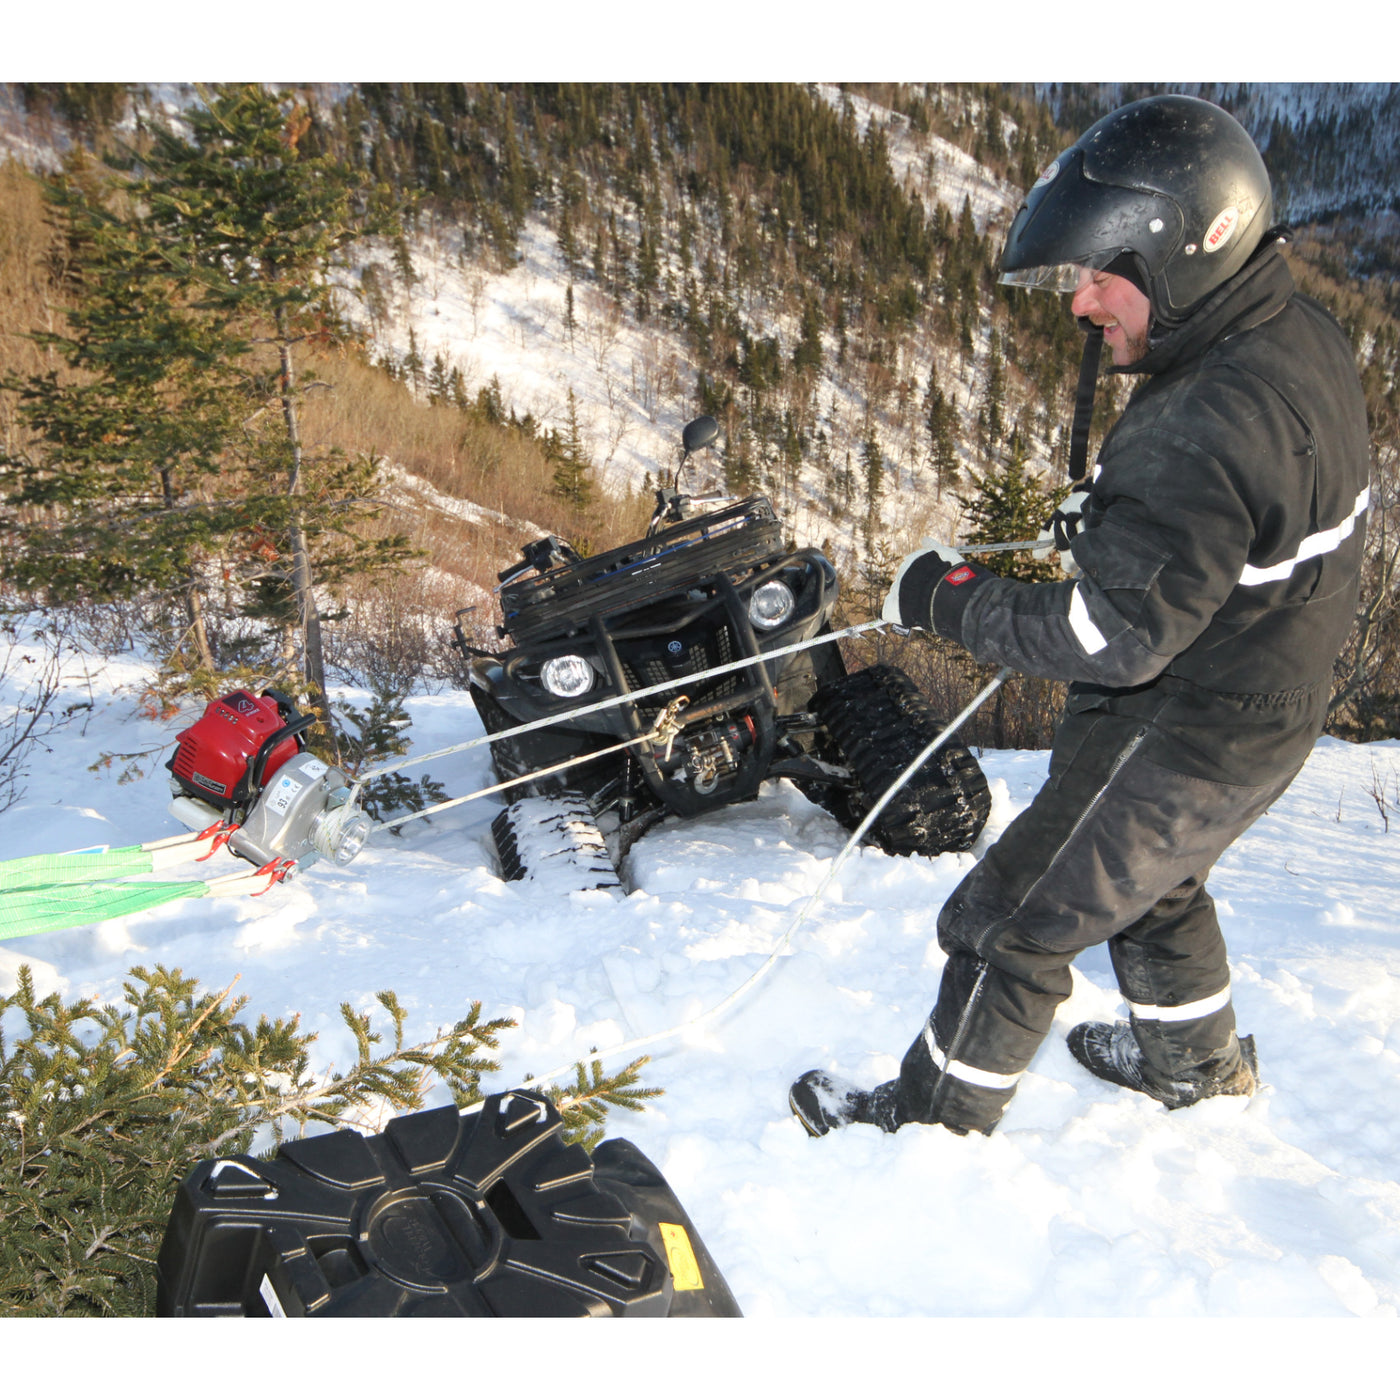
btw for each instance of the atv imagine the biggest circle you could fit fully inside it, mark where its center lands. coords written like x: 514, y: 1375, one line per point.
x: 702, y: 588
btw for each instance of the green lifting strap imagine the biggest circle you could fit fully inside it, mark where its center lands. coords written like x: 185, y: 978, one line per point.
x: 74, y: 868
x: 43, y: 909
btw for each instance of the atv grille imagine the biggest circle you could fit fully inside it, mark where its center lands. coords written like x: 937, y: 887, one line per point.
x: 713, y: 650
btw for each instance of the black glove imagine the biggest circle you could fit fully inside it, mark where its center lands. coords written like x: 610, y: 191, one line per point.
x: 931, y: 590
x: 909, y: 601
x: 1061, y: 529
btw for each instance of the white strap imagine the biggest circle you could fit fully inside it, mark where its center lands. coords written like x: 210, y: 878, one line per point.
x: 1324, y: 542
x: 1192, y: 1011
x: 1088, y: 635
x: 969, y: 1074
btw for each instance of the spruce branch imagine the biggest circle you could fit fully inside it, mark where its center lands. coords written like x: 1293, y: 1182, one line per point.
x: 584, y: 1106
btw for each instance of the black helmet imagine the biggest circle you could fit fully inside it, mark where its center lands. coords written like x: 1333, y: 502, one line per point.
x: 1170, y: 192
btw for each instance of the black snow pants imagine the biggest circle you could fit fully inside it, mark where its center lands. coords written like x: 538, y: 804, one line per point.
x: 1114, y: 847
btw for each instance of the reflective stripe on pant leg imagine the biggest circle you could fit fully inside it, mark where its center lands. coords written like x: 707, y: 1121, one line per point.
x: 1191, y: 1011
x: 963, y: 1067
x: 967, y: 1097
x: 1172, y: 972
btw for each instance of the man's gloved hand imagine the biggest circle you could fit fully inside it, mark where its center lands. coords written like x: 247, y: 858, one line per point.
x: 909, y: 602
x: 1060, y: 530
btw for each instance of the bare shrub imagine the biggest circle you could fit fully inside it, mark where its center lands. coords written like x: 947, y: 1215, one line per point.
x: 34, y: 666
x: 656, y: 375
x: 602, y: 324
x: 1386, y: 798
x: 1022, y: 714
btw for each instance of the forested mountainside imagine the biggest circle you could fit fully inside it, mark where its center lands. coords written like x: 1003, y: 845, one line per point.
x: 1333, y: 151
x: 812, y: 264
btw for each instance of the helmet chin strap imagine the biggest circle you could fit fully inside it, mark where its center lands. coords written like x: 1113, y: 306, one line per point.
x: 1084, y: 401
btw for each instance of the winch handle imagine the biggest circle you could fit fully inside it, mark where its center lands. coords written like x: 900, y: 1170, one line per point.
x: 286, y: 706
x: 278, y: 736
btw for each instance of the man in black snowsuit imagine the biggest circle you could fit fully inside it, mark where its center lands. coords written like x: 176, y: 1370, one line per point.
x: 1216, y: 555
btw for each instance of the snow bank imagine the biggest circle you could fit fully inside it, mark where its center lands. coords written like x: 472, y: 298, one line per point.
x: 1087, y: 1202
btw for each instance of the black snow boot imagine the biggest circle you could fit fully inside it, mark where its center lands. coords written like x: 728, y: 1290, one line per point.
x: 823, y: 1102
x: 1112, y: 1052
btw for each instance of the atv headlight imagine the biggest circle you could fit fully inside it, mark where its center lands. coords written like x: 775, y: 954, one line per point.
x: 567, y: 676
x: 771, y: 605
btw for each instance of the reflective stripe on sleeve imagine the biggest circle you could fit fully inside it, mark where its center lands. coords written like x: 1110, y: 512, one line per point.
x: 1324, y: 542
x: 969, y: 1074
x: 1192, y: 1011
x: 1087, y: 634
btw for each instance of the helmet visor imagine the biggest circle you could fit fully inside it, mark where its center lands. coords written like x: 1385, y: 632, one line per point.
x: 1061, y: 277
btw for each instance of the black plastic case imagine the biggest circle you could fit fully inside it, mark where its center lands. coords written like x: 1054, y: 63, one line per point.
x: 444, y: 1214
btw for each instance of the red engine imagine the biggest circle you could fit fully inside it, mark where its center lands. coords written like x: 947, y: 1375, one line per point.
x: 226, y: 756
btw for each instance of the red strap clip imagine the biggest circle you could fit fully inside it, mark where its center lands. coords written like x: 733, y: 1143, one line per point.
x: 276, y: 871
x: 219, y: 833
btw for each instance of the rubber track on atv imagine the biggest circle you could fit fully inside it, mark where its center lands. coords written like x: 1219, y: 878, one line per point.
x: 555, y: 841
x: 879, y: 720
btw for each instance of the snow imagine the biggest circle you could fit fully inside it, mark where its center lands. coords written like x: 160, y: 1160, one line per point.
x: 1087, y: 1201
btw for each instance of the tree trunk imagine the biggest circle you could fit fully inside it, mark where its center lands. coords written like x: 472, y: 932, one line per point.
x: 194, y: 610
x: 194, y: 602
x: 313, y: 657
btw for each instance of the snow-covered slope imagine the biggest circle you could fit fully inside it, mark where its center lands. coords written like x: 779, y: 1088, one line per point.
x: 1087, y: 1201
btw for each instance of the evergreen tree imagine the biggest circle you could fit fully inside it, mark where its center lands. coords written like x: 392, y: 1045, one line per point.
x: 572, y: 469
x: 105, y: 503
x: 993, y: 409
x: 872, y: 461
x: 413, y: 363
x: 403, y: 263
x: 570, y: 316
x: 490, y: 405
x: 1011, y: 504
x: 808, y: 354
x: 942, y: 423
x: 255, y: 225
x: 439, y: 381
x: 648, y: 270
x: 740, y: 473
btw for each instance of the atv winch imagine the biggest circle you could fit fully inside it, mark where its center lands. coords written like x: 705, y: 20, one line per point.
x: 242, y: 767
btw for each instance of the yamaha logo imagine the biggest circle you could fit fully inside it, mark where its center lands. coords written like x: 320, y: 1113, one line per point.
x: 674, y: 647
x: 1222, y: 227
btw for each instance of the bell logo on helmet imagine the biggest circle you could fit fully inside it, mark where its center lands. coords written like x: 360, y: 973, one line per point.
x: 1222, y: 227
x: 1047, y: 174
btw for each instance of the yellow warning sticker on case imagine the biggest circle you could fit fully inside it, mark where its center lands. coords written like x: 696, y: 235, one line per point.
x: 685, y: 1272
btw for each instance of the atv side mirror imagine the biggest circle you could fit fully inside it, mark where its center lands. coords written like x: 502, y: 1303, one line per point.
x: 699, y: 432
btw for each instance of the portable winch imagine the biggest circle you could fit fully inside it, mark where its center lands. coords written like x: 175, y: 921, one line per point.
x: 243, y: 766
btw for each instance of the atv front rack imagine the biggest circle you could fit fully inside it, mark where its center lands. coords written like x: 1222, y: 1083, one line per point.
x: 725, y: 541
